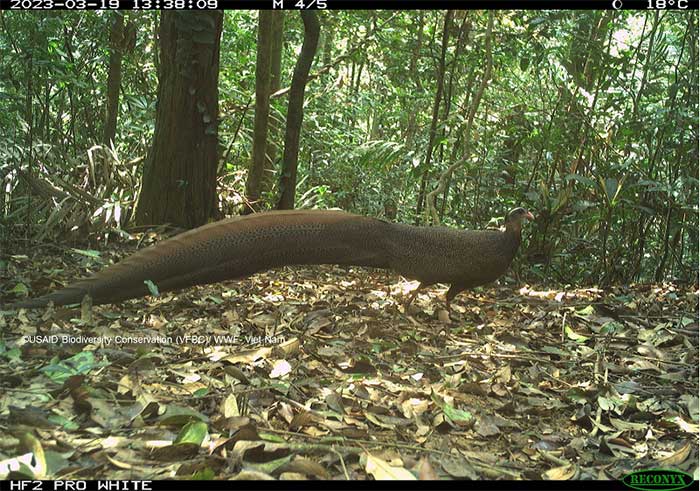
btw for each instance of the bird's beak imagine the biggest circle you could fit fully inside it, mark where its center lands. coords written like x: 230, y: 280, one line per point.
x: 530, y: 216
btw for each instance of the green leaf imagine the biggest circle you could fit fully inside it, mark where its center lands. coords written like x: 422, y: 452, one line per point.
x: 63, y: 422
x: 201, y: 392
x: 79, y: 364
x: 55, y: 462
x: 610, y: 327
x: 20, y: 289
x: 571, y: 334
x: 611, y: 187
x: 457, y: 415
x: 582, y: 179
x: 87, y: 252
x: 193, y: 432
x: 586, y: 311
x: 206, y: 474
x: 532, y: 196
x: 10, y: 354
x: 576, y: 394
x: 269, y: 437
x: 152, y: 288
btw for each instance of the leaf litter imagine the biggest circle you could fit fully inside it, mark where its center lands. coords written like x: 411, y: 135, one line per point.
x: 320, y: 373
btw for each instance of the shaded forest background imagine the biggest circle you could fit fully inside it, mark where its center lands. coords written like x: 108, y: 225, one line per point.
x: 589, y: 119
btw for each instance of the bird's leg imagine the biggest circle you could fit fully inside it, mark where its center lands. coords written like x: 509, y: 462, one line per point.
x: 413, y: 295
x: 451, y: 294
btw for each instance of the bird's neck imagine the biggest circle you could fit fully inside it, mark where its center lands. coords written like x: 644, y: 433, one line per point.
x: 513, y: 228
x: 513, y: 235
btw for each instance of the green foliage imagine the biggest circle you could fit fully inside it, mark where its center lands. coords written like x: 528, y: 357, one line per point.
x: 79, y: 364
x: 590, y: 119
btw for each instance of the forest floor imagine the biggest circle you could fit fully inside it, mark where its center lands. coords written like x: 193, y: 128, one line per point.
x: 319, y: 373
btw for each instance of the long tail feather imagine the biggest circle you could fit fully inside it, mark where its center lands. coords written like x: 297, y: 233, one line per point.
x: 231, y: 249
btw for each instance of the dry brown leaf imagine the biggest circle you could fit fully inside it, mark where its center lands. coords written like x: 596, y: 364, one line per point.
x: 677, y: 457
x: 175, y: 453
x: 280, y: 368
x: 230, y: 406
x: 382, y: 471
x: 562, y: 473
x: 252, y: 476
x: 426, y: 471
x: 248, y: 356
x: 289, y: 347
x: 300, y: 419
x: 301, y: 465
x: 444, y: 316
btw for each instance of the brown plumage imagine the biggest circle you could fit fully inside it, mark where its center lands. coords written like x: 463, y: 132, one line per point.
x: 238, y: 247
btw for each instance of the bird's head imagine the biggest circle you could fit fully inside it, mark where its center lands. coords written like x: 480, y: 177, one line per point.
x: 515, y: 218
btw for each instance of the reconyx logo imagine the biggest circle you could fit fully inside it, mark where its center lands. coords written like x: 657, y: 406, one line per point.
x: 657, y: 479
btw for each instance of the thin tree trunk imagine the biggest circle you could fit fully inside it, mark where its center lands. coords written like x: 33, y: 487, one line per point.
x: 454, y: 71
x: 295, y: 110
x: 329, y: 35
x: 262, y: 110
x: 436, y: 114
x: 273, y: 145
x: 73, y: 114
x: 411, y: 125
x: 29, y: 118
x: 114, y: 77
x: 473, y: 107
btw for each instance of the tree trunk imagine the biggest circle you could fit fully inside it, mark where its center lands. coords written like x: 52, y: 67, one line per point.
x: 414, y: 73
x: 262, y: 111
x: 295, y: 110
x: 114, y: 77
x: 274, y: 128
x: 328, y: 39
x: 436, y: 114
x: 179, y: 180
